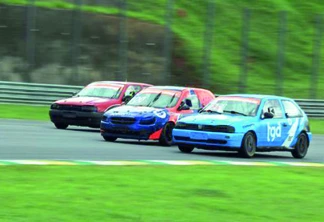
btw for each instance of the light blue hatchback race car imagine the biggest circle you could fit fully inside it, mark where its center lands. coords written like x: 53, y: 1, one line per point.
x: 247, y: 124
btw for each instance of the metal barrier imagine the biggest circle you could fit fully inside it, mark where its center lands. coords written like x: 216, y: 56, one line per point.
x: 45, y: 94
x: 313, y: 108
x: 33, y: 93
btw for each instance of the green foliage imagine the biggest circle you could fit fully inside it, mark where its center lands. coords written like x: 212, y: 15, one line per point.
x: 188, y: 24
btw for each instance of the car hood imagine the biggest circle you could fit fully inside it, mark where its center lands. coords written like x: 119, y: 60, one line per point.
x: 216, y: 119
x: 82, y: 101
x: 136, y: 111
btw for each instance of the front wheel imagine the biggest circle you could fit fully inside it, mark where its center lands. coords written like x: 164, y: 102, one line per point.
x: 166, y: 134
x: 301, y: 147
x: 186, y: 149
x: 61, y: 125
x: 248, y: 146
x: 110, y: 138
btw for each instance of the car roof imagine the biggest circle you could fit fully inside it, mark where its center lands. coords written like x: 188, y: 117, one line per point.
x: 174, y: 88
x: 257, y: 96
x: 120, y: 83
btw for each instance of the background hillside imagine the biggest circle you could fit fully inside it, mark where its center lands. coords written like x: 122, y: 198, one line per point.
x: 301, y: 74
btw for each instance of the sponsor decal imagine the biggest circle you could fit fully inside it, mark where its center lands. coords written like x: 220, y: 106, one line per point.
x: 274, y: 132
x: 291, y: 133
x: 250, y: 125
x: 160, y: 113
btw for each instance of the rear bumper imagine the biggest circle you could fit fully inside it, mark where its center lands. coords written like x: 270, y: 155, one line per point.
x: 76, y: 118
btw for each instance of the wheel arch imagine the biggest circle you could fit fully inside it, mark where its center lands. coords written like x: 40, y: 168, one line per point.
x: 254, y: 134
x: 305, y: 132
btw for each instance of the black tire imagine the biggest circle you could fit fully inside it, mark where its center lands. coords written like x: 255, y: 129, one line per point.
x: 248, y: 146
x: 301, y: 146
x: 110, y: 138
x: 166, y: 134
x: 61, y: 125
x: 186, y: 148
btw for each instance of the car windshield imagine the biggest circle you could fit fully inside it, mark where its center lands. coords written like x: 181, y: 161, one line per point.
x: 233, y: 105
x: 101, y: 91
x: 157, y: 99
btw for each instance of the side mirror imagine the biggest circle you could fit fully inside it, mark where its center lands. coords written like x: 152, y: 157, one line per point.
x: 188, y: 102
x: 183, y: 106
x: 268, y: 115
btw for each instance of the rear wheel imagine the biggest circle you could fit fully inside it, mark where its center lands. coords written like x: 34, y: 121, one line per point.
x: 186, y: 148
x: 301, y: 146
x: 248, y: 146
x: 166, y: 134
x: 110, y: 138
x: 61, y: 125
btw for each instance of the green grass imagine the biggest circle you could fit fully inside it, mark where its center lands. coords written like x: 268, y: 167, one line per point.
x: 41, y: 113
x: 26, y: 112
x: 226, y: 47
x: 161, y: 193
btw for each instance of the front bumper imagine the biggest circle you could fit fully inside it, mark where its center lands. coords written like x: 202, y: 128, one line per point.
x: 208, y: 140
x: 76, y: 118
x: 133, y: 131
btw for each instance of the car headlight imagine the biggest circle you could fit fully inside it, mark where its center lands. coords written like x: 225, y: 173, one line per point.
x: 180, y: 125
x: 89, y: 108
x: 55, y: 106
x: 147, y: 121
x: 104, y: 118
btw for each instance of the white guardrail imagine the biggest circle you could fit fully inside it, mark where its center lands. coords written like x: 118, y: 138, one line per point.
x: 45, y: 94
x: 34, y: 93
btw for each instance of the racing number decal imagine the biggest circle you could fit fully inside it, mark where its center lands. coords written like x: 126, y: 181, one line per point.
x: 273, y: 132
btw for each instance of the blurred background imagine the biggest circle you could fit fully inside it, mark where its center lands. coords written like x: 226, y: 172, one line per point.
x: 232, y: 46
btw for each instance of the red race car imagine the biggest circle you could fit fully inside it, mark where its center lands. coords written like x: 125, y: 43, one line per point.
x: 87, y: 106
x: 152, y: 113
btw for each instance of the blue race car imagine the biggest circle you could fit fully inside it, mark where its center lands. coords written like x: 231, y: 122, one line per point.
x: 247, y: 124
x: 152, y: 113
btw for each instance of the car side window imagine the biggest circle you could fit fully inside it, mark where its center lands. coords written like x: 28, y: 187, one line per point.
x: 291, y: 109
x: 273, y: 106
x: 194, y: 101
x: 132, y: 90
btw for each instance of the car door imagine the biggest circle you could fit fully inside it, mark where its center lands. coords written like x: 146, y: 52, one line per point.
x: 272, y: 131
x: 204, y: 97
x: 293, y: 115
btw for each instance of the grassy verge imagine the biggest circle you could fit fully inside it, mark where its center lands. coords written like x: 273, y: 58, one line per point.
x: 24, y: 112
x: 157, y: 193
x: 41, y: 113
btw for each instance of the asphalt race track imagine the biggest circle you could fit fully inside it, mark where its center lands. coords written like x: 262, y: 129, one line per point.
x: 34, y: 140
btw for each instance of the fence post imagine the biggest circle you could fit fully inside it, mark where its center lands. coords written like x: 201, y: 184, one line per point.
x: 318, y: 33
x: 123, y: 43
x: 281, y: 44
x: 209, y: 32
x: 168, y: 41
x: 245, y: 49
x: 76, y: 39
x: 30, y: 39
